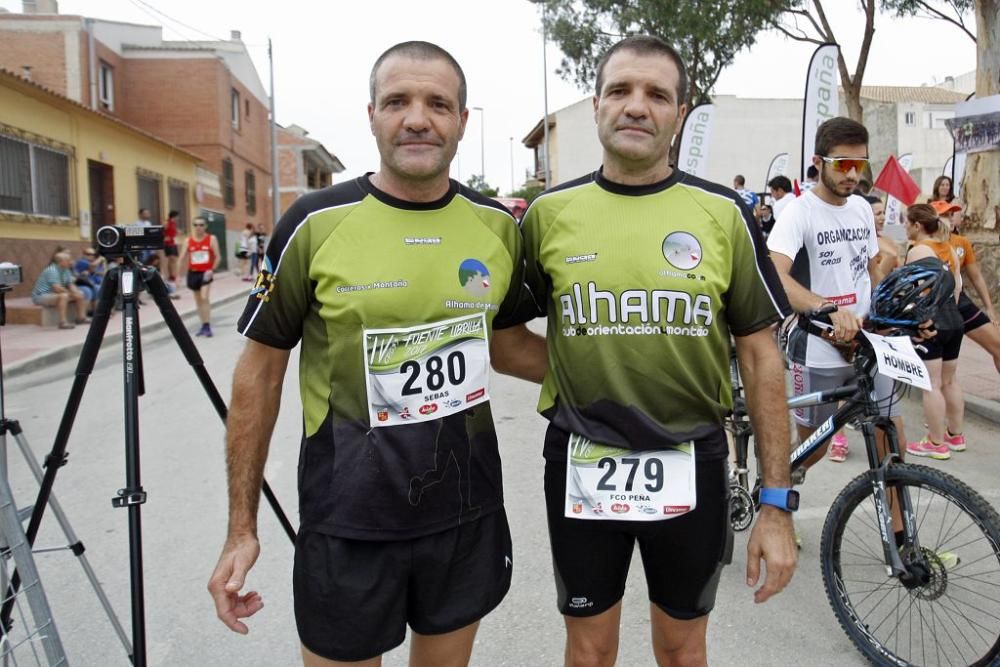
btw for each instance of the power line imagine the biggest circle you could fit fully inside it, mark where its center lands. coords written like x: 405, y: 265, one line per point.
x: 141, y: 3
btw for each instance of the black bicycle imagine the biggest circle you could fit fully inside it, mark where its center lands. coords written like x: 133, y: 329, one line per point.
x: 922, y: 589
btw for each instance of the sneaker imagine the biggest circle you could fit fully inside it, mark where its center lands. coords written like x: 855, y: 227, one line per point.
x: 925, y: 447
x: 207, y: 331
x: 201, y: 331
x: 956, y: 443
x: 838, y: 448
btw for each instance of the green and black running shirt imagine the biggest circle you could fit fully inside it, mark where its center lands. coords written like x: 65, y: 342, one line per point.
x: 642, y: 286
x: 351, y: 259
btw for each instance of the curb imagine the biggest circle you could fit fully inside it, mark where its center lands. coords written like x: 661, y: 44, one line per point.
x: 983, y: 407
x: 72, y: 351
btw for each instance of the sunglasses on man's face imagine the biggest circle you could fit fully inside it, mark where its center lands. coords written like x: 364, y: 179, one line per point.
x: 198, y: 225
x: 845, y: 164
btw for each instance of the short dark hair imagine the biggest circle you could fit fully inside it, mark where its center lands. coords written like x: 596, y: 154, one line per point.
x: 839, y: 131
x: 739, y: 180
x: 418, y: 50
x: 812, y: 171
x: 645, y: 45
x: 780, y: 183
x: 143, y: 209
x: 173, y: 214
x: 871, y: 199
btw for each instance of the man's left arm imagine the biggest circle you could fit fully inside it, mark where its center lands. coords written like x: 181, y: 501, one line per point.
x: 215, y: 252
x: 519, y: 352
x: 773, y: 536
x: 875, y: 271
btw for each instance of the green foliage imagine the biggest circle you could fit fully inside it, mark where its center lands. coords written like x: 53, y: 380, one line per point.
x: 528, y: 192
x: 479, y: 184
x: 953, y: 11
x: 707, y: 33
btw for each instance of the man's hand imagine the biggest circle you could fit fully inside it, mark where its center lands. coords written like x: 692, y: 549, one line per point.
x: 846, y: 325
x: 238, y: 556
x: 207, y: 276
x: 773, y: 540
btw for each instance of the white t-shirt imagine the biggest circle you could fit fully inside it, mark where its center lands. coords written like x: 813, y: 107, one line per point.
x: 830, y: 247
x: 780, y: 204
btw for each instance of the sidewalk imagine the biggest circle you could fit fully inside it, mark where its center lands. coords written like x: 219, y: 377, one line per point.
x: 27, y: 347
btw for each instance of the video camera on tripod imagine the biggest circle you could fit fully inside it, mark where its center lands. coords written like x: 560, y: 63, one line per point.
x: 121, y: 240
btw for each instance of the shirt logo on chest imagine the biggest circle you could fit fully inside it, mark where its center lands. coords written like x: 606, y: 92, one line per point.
x: 682, y: 250
x: 474, y: 277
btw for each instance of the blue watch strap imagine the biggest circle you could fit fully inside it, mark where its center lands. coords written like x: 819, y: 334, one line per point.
x: 776, y: 497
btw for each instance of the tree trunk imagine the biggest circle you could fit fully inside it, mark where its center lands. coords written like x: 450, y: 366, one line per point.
x: 981, y: 186
x: 853, y: 99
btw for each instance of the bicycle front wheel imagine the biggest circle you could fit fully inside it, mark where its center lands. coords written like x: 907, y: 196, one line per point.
x: 947, y: 610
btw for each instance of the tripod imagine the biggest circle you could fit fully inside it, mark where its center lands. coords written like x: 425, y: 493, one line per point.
x: 124, y: 280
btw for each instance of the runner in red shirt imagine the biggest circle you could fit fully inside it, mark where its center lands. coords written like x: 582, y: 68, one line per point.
x: 202, y: 254
x: 170, y: 246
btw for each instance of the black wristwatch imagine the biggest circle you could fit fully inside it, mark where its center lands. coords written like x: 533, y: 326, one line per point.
x: 785, y: 499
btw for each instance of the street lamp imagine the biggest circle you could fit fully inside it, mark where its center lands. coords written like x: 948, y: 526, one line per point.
x: 482, y: 143
x: 512, y: 164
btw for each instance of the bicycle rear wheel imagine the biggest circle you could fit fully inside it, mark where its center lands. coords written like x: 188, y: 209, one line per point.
x: 950, y: 613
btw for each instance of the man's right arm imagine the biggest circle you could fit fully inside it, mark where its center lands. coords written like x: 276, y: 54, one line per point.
x: 845, y: 323
x: 253, y: 411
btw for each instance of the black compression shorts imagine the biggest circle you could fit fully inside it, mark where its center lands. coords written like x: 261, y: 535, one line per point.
x: 683, y: 557
x: 972, y: 317
x: 354, y: 598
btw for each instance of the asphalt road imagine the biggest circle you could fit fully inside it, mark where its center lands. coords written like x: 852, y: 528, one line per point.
x: 184, y: 523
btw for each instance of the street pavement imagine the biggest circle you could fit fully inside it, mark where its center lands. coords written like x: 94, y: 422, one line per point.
x: 184, y: 522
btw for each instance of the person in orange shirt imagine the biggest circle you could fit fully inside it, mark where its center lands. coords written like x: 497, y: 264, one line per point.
x: 944, y: 403
x: 982, y: 326
x: 202, y: 254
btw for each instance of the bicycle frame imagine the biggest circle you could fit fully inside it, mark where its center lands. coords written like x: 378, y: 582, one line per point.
x: 859, y: 402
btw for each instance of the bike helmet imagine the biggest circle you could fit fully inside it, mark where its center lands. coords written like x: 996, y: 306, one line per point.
x: 911, y: 295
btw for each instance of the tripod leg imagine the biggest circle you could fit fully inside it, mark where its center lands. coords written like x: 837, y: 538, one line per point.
x: 75, y: 545
x: 57, y: 456
x: 156, y: 288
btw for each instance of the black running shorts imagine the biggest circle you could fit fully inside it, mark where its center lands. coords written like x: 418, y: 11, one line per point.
x: 682, y: 557
x: 195, y: 279
x: 354, y: 598
x: 972, y: 317
x: 946, y: 346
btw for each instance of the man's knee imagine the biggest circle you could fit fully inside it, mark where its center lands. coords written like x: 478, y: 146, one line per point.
x: 591, y: 653
x: 683, y: 657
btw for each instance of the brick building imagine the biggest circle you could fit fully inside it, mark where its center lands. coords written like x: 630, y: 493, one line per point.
x: 204, y: 97
x: 304, y: 165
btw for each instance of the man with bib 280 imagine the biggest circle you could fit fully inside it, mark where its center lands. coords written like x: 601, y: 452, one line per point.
x: 646, y: 272
x: 396, y: 283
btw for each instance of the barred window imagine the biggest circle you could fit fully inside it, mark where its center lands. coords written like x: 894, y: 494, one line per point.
x: 149, y: 197
x: 228, y: 186
x: 251, y: 192
x: 177, y: 197
x: 33, y: 179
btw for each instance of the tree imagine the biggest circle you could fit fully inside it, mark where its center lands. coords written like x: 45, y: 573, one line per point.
x: 708, y: 33
x: 803, y: 23
x: 527, y: 192
x: 479, y: 184
x: 981, y: 187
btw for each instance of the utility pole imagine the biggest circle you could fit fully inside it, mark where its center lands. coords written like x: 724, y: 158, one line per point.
x: 275, y: 195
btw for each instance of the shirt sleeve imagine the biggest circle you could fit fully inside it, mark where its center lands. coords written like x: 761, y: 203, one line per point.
x: 755, y: 298
x: 518, y: 304
x: 786, y: 236
x: 280, y: 300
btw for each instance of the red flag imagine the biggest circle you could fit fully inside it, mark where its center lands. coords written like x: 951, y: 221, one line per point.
x: 894, y: 180
x: 795, y: 187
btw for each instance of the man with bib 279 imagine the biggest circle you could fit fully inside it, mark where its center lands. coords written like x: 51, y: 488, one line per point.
x: 396, y: 283
x: 646, y: 272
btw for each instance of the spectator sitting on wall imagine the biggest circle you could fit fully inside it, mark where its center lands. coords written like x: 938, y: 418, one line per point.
x: 54, y: 288
x: 88, y: 272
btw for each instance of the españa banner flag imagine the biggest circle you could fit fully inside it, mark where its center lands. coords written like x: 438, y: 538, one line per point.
x: 821, y: 102
x: 696, y: 137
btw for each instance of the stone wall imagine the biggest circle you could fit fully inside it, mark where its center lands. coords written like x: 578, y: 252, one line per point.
x: 988, y: 255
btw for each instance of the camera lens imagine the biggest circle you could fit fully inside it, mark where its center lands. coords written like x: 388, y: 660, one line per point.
x: 108, y: 236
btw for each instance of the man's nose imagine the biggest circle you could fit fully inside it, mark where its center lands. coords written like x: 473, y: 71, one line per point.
x: 416, y: 119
